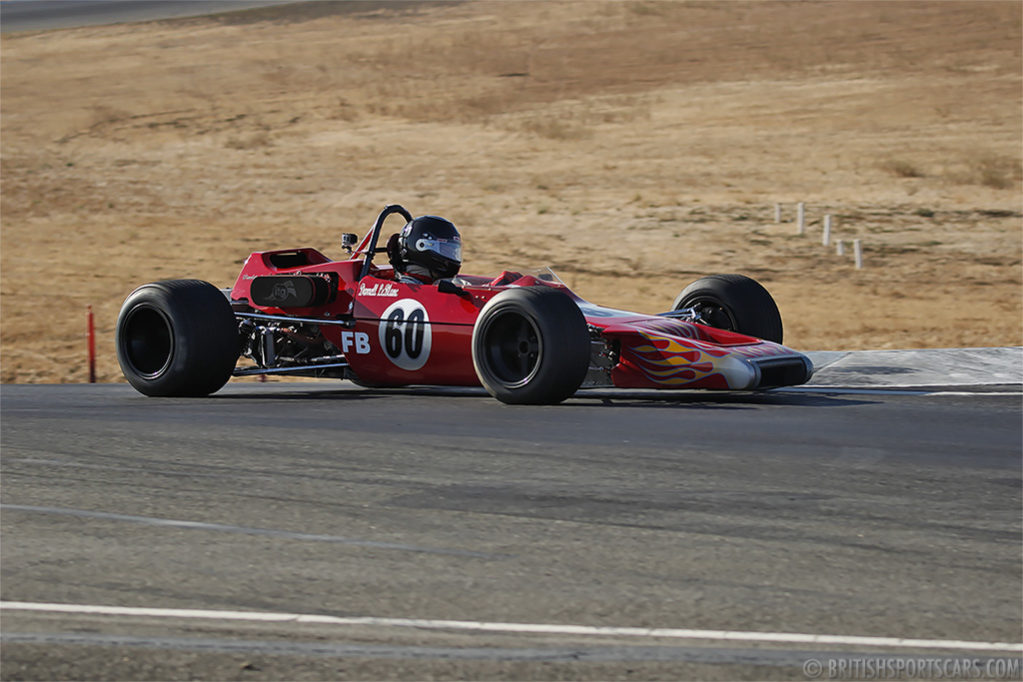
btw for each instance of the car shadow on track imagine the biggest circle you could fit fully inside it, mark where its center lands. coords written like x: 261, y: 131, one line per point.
x: 620, y: 398
x: 719, y: 400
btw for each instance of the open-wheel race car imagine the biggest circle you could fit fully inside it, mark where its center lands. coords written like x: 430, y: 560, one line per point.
x: 525, y: 337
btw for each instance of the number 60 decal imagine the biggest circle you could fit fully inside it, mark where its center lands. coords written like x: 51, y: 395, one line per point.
x: 405, y: 334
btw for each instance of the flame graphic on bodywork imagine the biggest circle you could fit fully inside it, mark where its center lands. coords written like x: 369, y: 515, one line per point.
x: 667, y: 362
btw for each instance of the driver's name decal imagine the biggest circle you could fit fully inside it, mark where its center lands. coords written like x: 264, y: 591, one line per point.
x: 382, y: 289
x: 405, y: 334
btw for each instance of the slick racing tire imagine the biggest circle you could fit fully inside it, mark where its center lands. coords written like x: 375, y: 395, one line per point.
x: 734, y: 303
x: 531, y: 345
x: 177, y: 338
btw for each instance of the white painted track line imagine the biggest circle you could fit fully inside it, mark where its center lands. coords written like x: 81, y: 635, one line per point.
x: 521, y: 628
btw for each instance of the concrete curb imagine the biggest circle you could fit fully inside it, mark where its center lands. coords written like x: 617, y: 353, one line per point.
x: 918, y: 368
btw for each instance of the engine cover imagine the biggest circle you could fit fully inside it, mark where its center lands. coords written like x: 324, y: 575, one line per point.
x: 292, y: 291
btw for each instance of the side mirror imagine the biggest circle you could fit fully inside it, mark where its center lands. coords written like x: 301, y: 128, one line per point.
x: 349, y: 240
x: 446, y: 286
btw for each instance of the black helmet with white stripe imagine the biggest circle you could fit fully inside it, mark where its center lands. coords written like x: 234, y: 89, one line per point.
x: 433, y: 243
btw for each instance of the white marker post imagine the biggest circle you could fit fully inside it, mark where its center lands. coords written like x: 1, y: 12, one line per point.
x: 858, y: 250
x: 801, y: 217
x: 839, y: 248
x: 777, y: 213
x: 826, y: 235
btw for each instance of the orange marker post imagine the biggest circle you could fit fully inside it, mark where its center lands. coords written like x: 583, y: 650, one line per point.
x: 92, y: 348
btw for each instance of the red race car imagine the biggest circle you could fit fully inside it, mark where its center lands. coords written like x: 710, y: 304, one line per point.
x: 524, y: 336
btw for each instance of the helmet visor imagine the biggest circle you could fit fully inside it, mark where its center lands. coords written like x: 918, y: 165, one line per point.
x: 450, y: 249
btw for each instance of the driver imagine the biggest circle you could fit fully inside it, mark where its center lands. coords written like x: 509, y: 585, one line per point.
x: 429, y: 248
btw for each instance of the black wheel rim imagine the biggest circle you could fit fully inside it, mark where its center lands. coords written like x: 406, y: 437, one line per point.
x: 147, y: 341
x: 513, y: 349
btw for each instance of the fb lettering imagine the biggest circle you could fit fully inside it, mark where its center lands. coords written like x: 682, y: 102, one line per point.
x: 358, y: 339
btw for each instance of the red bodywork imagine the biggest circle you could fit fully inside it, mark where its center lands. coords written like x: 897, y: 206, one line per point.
x: 632, y: 350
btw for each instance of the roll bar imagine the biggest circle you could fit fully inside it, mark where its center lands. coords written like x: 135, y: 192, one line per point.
x: 374, y: 235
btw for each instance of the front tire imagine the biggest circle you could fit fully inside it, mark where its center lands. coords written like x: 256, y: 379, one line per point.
x: 531, y: 345
x: 734, y: 303
x: 177, y: 338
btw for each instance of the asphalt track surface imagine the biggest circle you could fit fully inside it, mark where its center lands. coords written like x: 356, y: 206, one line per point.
x: 879, y: 514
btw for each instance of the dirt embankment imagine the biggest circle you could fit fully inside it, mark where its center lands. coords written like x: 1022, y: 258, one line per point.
x: 633, y: 146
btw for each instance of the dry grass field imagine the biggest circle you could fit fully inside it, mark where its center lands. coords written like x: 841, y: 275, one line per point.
x: 633, y: 146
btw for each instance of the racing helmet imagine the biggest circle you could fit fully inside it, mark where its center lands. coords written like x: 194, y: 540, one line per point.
x: 433, y: 243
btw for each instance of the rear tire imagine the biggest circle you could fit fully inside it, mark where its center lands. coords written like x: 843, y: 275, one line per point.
x: 531, y: 345
x: 734, y: 303
x: 177, y: 338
